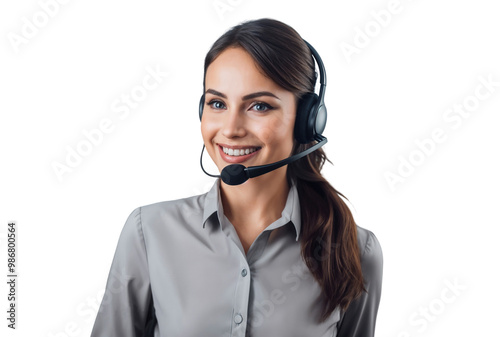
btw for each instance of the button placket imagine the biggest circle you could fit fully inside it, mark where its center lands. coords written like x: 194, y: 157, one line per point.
x: 241, y: 300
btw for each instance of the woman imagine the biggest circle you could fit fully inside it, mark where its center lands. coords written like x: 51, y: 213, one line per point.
x: 278, y: 255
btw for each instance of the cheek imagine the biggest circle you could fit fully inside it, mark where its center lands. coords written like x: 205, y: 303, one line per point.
x: 208, y: 133
x: 208, y: 130
x: 278, y: 129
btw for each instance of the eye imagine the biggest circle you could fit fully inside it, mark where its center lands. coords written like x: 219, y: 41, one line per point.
x: 216, y: 104
x: 262, y: 107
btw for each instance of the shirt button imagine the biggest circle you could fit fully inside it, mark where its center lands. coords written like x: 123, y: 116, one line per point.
x: 244, y: 272
x: 238, y: 319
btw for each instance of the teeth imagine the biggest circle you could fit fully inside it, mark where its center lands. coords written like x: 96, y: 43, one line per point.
x: 238, y: 152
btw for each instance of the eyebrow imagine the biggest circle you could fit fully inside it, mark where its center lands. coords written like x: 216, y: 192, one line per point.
x: 246, y: 97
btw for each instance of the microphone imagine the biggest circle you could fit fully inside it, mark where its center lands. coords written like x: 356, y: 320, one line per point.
x: 236, y: 174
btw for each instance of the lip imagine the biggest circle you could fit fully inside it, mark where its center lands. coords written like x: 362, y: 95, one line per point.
x: 233, y: 159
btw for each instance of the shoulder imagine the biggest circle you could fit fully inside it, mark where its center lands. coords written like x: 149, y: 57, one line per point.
x: 370, y: 253
x: 164, y: 211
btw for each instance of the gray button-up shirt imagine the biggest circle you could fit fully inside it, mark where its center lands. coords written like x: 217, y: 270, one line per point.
x: 182, y: 264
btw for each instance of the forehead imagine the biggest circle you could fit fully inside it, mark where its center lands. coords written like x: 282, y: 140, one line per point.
x: 234, y: 70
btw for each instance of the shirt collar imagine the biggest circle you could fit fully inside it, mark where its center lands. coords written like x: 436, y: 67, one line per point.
x: 291, y: 212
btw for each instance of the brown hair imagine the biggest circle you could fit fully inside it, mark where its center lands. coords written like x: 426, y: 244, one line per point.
x: 328, y: 235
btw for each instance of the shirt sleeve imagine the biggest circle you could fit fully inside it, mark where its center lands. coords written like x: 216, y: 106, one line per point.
x: 127, y: 299
x: 360, y: 317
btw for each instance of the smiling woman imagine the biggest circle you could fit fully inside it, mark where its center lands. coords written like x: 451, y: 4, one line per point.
x: 276, y: 255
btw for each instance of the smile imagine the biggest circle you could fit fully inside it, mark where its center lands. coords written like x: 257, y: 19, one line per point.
x: 238, y: 152
x: 238, y: 155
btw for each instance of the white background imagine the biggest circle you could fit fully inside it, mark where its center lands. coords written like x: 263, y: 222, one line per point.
x: 436, y: 227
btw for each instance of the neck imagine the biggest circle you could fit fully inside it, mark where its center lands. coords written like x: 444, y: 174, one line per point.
x: 258, y: 202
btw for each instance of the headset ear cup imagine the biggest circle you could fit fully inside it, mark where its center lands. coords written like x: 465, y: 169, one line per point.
x: 202, y: 104
x: 305, y: 118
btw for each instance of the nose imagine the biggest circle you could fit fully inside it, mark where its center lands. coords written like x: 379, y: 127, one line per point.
x: 233, y: 124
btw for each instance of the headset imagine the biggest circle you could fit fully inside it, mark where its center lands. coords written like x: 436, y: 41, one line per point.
x: 310, y: 122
